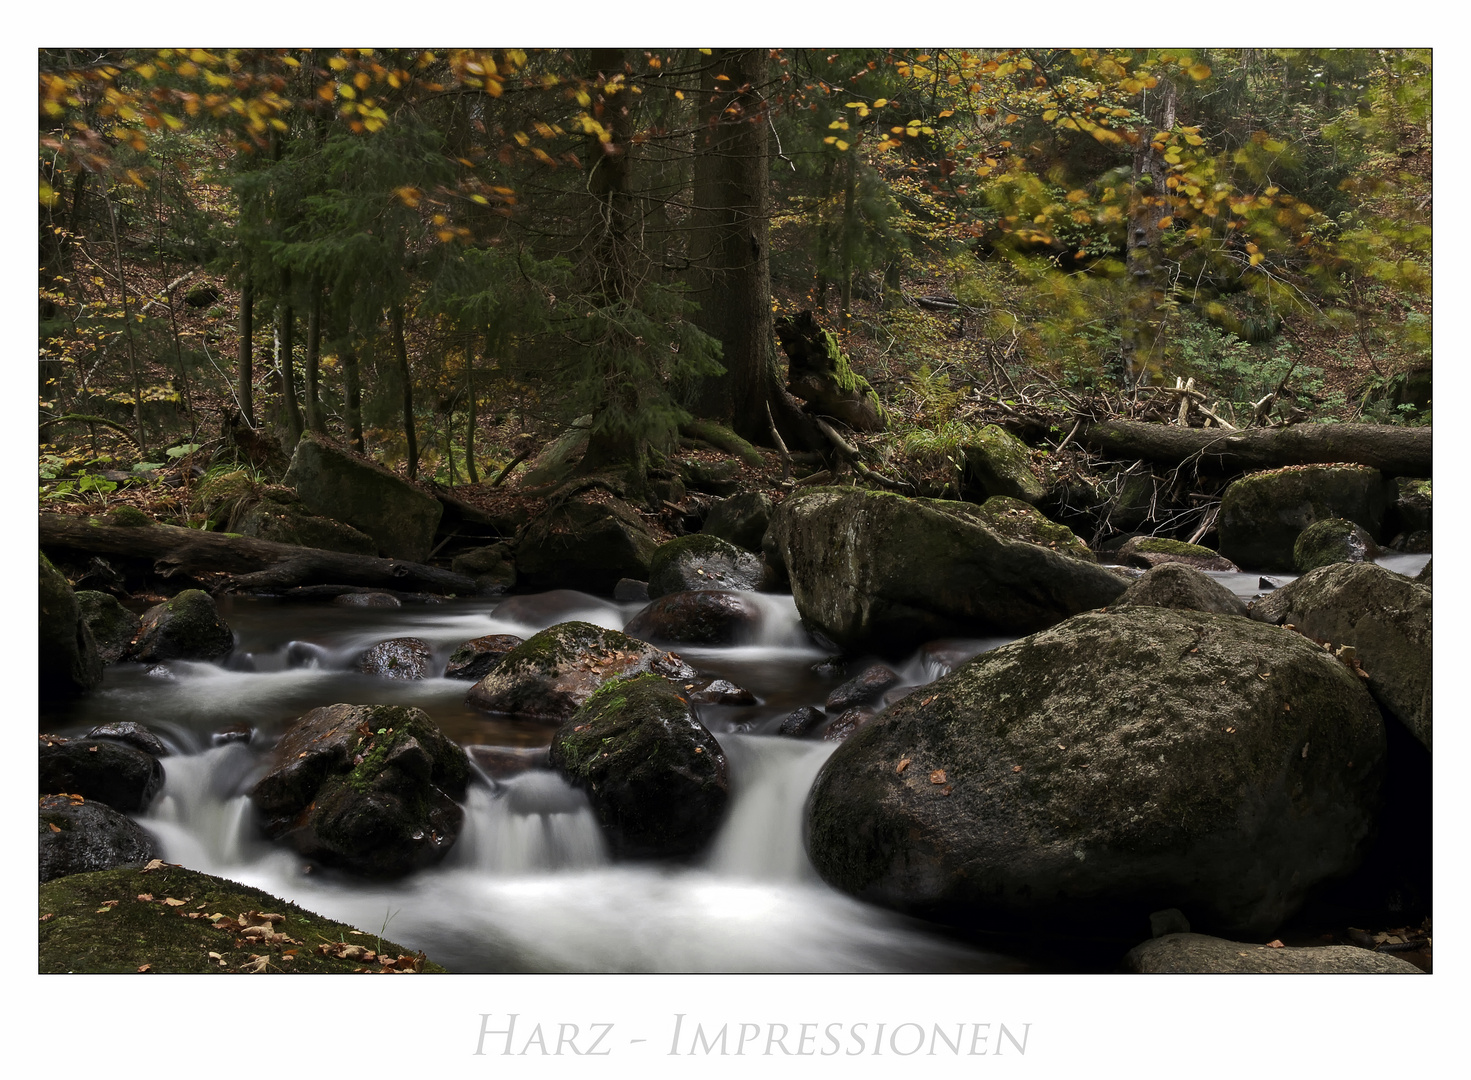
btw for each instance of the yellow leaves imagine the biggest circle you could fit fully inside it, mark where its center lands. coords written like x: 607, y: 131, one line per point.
x: 841, y: 145
x: 1076, y: 196
x: 409, y: 196
x: 879, y: 103
x: 542, y: 156
x: 1198, y: 72
x: 1049, y: 115
x: 337, y: 63
x: 1165, y: 222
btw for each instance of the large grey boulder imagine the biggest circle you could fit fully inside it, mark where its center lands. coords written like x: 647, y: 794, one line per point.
x: 1262, y: 514
x: 1385, y: 617
x: 1198, y: 954
x: 702, y: 561
x: 1175, y: 585
x: 1118, y: 764
x: 399, y: 517
x: 280, y: 515
x: 113, y: 626
x: 100, y: 770
x: 185, y: 627
x: 1332, y: 540
x: 741, y: 519
x: 586, y: 542
x: 875, y: 571
x: 998, y: 463
x: 698, y: 617
x: 77, y: 836
x: 67, y: 653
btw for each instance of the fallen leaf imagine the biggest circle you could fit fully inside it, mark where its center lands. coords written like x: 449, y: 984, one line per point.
x: 53, y: 827
x: 144, y: 969
x: 156, y: 864
x: 1016, y: 768
x: 171, y: 902
x: 927, y: 700
x: 902, y: 766
x: 215, y: 956
x: 938, y: 776
x: 48, y: 915
x: 1275, y: 944
x: 1230, y: 731
x: 256, y: 965
x: 1061, y: 747
x: 145, y: 896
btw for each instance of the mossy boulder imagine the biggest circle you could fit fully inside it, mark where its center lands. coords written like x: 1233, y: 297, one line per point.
x: 1387, y: 620
x: 473, y: 660
x: 699, y: 617
x: 113, y: 626
x: 100, y: 770
x: 78, y: 836
x: 551, y: 674
x: 555, y: 463
x: 280, y: 515
x: 656, y: 778
x: 586, y: 542
x: 720, y: 478
x: 741, y: 519
x: 873, y: 570
x: 1198, y: 954
x: 186, y: 627
x: 1425, y: 575
x: 702, y: 561
x: 396, y: 658
x: 69, y: 662
x: 1333, y: 540
x: 1013, y: 519
x: 492, y: 567
x: 1173, y: 585
x: 370, y: 788
x: 223, y: 497
x: 1412, y: 510
x: 399, y: 517
x: 998, y: 463
x: 1115, y: 765
x: 119, y: 922
x: 1146, y: 552
x: 1262, y: 514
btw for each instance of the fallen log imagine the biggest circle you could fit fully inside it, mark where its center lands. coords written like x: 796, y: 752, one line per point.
x: 244, y: 562
x: 1396, y: 451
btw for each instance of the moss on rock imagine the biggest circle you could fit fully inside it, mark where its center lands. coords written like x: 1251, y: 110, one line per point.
x: 1018, y: 520
x: 1333, y: 540
x: 998, y: 463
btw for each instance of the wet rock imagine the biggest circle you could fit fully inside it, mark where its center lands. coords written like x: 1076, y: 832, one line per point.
x: 1411, y: 511
x: 491, y: 567
x: 998, y: 463
x: 1012, y: 519
x: 876, y: 571
x: 1383, y: 616
x: 504, y: 762
x: 399, y: 517
x: 280, y: 515
x: 702, y: 561
x: 160, y: 671
x: 370, y: 788
x: 802, y: 722
x: 131, y: 734
x: 1333, y: 540
x: 715, y: 478
x: 552, y: 673
x: 1413, y: 543
x: 718, y: 692
x: 78, y: 836
x: 99, y: 770
x: 1262, y: 514
x: 1186, y: 954
x: 113, y: 626
x: 655, y: 776
x: 367, y: 599
x: 697, y: 618
x: 863, y: 689
x: 1269, y: 583
x: 846, y: 723
x: 1147, y: 552
x: 1174, y: 585
x: 396, y: 658
x: 740, y: 520
x: 69, y: 660
x: 474, y: 659
x: 1423, y: 577
x: 628, y: 590
x: 552, y: 606
x: 588, y: 542
x: 1116, y: 764
x: 188, y: 627
x: 235, y: 733
x: 831, y: 667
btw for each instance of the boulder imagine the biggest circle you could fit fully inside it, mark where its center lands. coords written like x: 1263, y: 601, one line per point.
x: 552, y: 673
x: 1424, y: 576
x: 627, y: 590
x: 1197, y: 954
x: 706, y: 691
x: 998, y: 463
x: 740, y: 520
x: 1412, y: 510
x: 399, y: 517
x: 281, y: 516
x: 802, y: 722
x: 1117, y: 764
x: 697, y: 618
x: 656, y: 778
x: 586, y: 542
x: 1332, y: 540
x: 78, y: 836
x: 187, y: 627
x: 131, y: 734
x: 491, y: 567
x: 99, y: 770
x: 863, y: 689
x: 366, y: 599
x: 370, y: 788
x: 1013, y: 519
x: 396, y: 658
x: 69, y: 660
x: 720, y: 478
x: 113, y: 626
x: 1263, y: 513
x: 474, y: 659
x: 702, y: 561
x: 873, y: 570
x: 1384, y: 617
x: 1147, y: 552
x: 1174, y: 585
x: 846, y: 723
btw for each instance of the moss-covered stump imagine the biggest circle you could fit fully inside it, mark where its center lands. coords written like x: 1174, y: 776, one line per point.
x: 702, y: 617
x: 473, y: 660
x: 399, y: 517
x: 281, y: 516
x: 586, y: 542
x: 998, y: 463
x: 1333, y: 540
x: 1013, y: 519
x: 1118, y: 764
x: 1262, y: 514
x: 819, y: 372
x: 187, y: 627
x: 370, y: 788
x: 113, y: 626
x: 396, y: 658
x: 68, y: 658
x: 1197, y: 954
x: 77, y: 836
x: 740, y: 520
x: 656, y: 778
x: 872, y: 570
x: 1172, y: 585
x: 702, y: 561
x: 491, y: 567
x: 122, y: 776
x: 551, y: 674
x: 1147, y: 552
x: 173, y: 921
x: 723, y: 438
x: 1384, y: 617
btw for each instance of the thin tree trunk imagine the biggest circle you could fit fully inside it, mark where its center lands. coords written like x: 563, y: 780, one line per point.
x: 1144, y: 256
x: 471, y: 473
x: 401, y: 354
x: 850, y: 190
x: 286, y: 363
x: 314, y: 420
x: 353, y: 390
x: 245, y: 392
x: 122, y: 283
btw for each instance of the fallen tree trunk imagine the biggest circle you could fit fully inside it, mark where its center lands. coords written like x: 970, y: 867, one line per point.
x: 1396, y: 451
x: 243, y: 562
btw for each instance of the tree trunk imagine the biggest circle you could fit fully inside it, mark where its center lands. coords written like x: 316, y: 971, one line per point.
x: 1144, y: 257
x: 286, y: 364
x: 847, y: 242
x: 472, y: 474
x: 314, y: 419
x: 1397, y: 451
x: 353, y: 390
x: 401, y: 354
x: 245, y: 393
